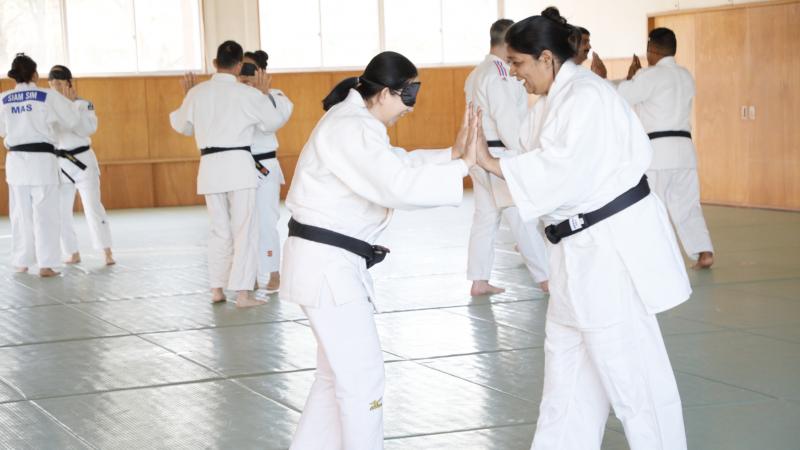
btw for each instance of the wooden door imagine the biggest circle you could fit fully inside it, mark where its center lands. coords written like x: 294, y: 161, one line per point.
x: 774, y: 91
x: 722, y: 136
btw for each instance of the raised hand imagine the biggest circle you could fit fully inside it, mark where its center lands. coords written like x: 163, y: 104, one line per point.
x: 598, y: 67
x: 263, y: 81
x: 188, y: 81
x: 461, y: 138
x: 635, y: 66
x: 470, y: 155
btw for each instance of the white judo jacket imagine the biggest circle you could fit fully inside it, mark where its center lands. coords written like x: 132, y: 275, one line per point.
x: 264, y: 142
x: 222, y: 112
x: 662, y: 97
x: 504, y: 103
x: 79, y: 137
x: 592, y: 148
x: 31, y: 115
x: 349, y: 179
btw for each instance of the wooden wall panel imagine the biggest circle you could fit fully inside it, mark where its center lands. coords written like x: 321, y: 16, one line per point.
x: 122, y: 117
x: 127, y: 185
x: 175, y: 184
x: 306, y: 90
x: 431, y: 125
x: 3, y: 193
x: 164, y: 95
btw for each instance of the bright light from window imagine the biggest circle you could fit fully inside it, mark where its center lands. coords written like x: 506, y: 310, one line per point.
x: 290, y: 33
x: 350, y: 34
x: 414, y: 28
x: 32, y: 27
x: 466, y: 28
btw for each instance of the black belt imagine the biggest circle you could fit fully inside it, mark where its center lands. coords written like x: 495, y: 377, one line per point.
x: 212, y: 150
x: 69, y: 155
x: 373, y: 254
x: 576, y: 224
x: 663, y: 134
x: 39, y: 147
x: 263, y: 157
x: 495, y: 144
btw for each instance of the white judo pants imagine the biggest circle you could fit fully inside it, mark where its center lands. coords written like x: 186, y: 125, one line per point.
x: 233, y: 240
x: 486, y: 222
x: 625, y: 366
x: 344, y: 410
x: 93, y: 210
x: 34, y: 215
x: 268, y: 201
x: 679, y: 189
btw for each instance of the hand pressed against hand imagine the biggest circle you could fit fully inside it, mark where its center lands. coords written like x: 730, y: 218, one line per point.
x: 263, y: 81
x: 635, y: 66
x: 188, y: 81
x: 470, y: 156
x: 598, y: 67
x: 459, y: 146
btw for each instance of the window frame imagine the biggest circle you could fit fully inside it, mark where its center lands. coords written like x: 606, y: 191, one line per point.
x: 382, y: 45
x: 157, y: 73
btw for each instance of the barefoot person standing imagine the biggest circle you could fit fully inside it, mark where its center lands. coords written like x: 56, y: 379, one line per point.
x: 223, y: 114
x: 80, y: 172
x: 29, y: 119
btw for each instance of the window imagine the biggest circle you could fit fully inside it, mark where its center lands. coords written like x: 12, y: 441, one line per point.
x: 319, y: 33
x: 348, y: 33
x: 104, y: 37
x: 31, y: 27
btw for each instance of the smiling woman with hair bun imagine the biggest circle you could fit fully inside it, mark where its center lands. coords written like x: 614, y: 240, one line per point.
x: 614, y: 260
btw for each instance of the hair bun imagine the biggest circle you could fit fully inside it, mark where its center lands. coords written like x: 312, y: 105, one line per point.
x: 552, y: 13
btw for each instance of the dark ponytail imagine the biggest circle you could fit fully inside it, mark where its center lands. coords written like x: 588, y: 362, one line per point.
x: 386, y: 70
x: 550, y: 31
x: 260, y: 57
x: 23, y: 68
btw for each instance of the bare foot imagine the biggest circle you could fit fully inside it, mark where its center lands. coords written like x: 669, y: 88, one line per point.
x: 482, y: 287
x: 20, y: 269
x: 244, y: 299
x: 274, y: 283
x: 545, y: 286
x: 46, y: 272
x: 217, y: 295
x: 109, y: 258
x: 74, y: 259
x: 704, y: 261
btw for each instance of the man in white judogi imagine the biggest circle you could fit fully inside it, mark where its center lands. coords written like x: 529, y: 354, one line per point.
x: 504, y: 103
x: 223, y: 114
x: 662, y: 97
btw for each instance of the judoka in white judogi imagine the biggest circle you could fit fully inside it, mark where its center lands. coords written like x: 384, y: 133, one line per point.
x: 349, y: 179
x: 86, y: 181
x: 30, y: 118
x: 223, y: 115
x: 662, y: 97
x: 603, y: 344
x: 504, y: 103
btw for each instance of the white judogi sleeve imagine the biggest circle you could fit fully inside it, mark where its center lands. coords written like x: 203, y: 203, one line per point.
x: 368, y: 166
x: 61, y: 111
x: 181, y: 119
x: 282, y: 103
x: 87, y: 124
x: 418, y: 158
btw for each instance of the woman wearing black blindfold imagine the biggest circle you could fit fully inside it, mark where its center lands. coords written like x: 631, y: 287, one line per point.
x: 80, y: 173
x: 348, y: 180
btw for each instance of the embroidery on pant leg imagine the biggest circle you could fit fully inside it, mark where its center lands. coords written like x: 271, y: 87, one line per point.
x: 375, y: 404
